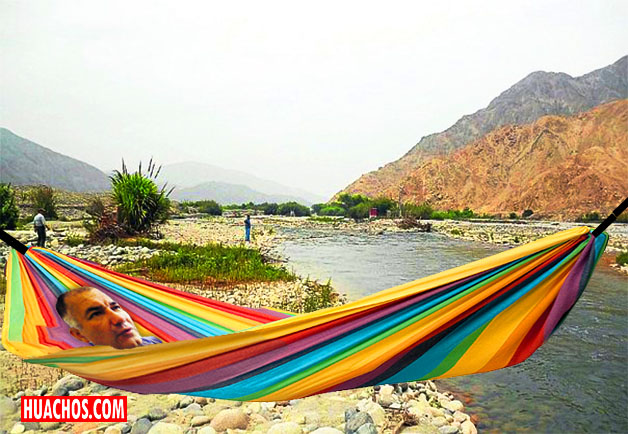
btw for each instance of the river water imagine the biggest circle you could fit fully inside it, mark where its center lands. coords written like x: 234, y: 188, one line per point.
x: 576, y: 382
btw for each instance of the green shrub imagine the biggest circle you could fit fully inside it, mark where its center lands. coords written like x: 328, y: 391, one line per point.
x: 513, y: 216
x: 622, y: 258
x: 360, y: 211
x: 140, y: 203
x: 383, y: 205
x: 590, y: 217
x: 9, y: 212
x: 332, y: 211
x: 210, y: 207
x: 289, y: 208
x: 527, y: 213
x: 74, y: 240
x: 348, y: 201
x: 421, y: 211
x: 43, y: 197
x: 269, y: 208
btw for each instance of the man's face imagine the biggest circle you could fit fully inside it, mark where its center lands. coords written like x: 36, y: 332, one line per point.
x: 101, y: 320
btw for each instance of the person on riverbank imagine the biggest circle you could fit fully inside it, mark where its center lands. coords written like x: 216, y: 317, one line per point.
x: 97, y: 319
x: 247, y: 228
x: 39, y: 223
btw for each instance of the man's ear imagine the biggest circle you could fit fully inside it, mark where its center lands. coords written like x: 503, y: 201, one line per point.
x: 78, y: 335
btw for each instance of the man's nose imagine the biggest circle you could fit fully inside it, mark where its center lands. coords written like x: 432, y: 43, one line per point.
x: 116, y: 317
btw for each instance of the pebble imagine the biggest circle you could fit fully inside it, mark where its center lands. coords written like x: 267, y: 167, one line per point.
x: 165, y: 428
x: 230, y: 419
x: 206, y: 430
x: 156, y: 414
x: 200, y: 420
x: 285, y: 428
x: 141, y: 426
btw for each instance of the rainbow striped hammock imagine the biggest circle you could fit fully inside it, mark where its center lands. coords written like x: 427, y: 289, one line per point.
x: 478, y: 317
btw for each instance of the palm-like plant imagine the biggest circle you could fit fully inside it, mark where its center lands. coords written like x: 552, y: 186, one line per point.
x: 141, y: 204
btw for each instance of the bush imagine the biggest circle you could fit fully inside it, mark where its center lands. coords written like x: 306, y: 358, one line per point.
x: 527, y: 213
x: 293, y: 207
x: 269, y: 208
x: 422, y: 211
x: 383, y: 205
x: 513, y: 216
x: 317, y: 207
x: 43, y: 197
x: 210, y: 207
x: 74, y: 240
x: 590, y: 217
x: 622, y: 258
x: 348, y: 201
x: 360, y: 211
x: 336, y: 211
x: 9, y: 211
x: 140, y: 203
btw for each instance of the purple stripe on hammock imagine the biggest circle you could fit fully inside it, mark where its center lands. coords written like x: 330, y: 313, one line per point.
x: 569, y: 292
x: 207, y: 379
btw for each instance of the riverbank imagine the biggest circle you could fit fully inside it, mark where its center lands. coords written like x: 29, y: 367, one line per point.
x: 404, y: 408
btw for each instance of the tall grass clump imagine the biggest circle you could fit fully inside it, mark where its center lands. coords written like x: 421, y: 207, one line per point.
x: 9, y: 211
x: 622, y: 258
x: 212, y: 264
x: 140, y: 203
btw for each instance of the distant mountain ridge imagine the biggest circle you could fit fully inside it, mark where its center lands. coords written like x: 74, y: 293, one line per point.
x: 538, y: 94
x: 558, y: 166
x: 192, y: 178
x: 226, y: 194
x: 23, y: 162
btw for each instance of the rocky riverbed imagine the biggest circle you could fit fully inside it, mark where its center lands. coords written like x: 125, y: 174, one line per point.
x: 405, y: 408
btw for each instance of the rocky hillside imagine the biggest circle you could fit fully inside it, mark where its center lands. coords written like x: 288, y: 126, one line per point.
x: 538, y: 94
x: 559, y: 166
x: 226, y: 194
x: 23, y: 162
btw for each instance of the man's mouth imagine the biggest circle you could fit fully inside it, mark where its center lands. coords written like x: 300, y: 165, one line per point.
x: 126, y: 333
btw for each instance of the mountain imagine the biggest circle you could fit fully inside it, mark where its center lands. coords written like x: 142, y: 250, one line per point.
x: 225, y: 194
x: 559, y: 166
x: 538, y: 94
x: 23, y: 162
x: 192, y: 174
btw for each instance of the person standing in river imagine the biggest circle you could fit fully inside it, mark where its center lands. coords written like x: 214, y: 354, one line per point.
x: 247, y: 228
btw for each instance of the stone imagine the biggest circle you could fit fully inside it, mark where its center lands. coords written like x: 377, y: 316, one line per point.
x: 200, y: 420
x: 194, y: 408
x: 357, y: 421
x: 349, y: 413
x: 186, y: 401
x: 467, y: 427
x: 48, y: 426
x: 7, y: 407
x: 454, y: 406
x: 460, y: 416
x: 113, y: 429
x: 31, y: 426
x: 367, y: 428
x: 18, y: 428
x: 165, y: 428
x: 230, y: 419
x: 206, y: 430
x: 200, y: 400
x: 439, y: 421
x: 374, y: 410
x: 254, y: 407
x: 156, y: 414
x: 327, y: 430
x: 448, y: 429
x: 67, y: 384
x: 141, y: 426
x: 285, y: 428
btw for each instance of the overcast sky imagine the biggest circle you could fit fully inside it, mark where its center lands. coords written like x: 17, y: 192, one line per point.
x: 307, y: 94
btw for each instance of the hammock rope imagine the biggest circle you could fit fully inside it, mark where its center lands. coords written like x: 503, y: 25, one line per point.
x: 481, y: 316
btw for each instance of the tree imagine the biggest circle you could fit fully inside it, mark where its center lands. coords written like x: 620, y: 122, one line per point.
x: 9, y: 211
x: 140, y: 203
x: 293, y: 207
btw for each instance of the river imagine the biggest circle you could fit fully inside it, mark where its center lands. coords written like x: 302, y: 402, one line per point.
x: 576, y: 382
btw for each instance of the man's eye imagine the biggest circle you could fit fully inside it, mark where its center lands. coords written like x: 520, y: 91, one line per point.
x: 92, y: 315
x: 115, y: 307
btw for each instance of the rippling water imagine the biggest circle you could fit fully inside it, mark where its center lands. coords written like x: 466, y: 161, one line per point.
x: 576, y: 382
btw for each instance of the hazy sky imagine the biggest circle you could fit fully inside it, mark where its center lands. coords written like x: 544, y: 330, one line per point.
x: 307, y: 94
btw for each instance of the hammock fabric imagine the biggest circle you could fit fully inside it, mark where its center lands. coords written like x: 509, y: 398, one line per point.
x: 478, y: 317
